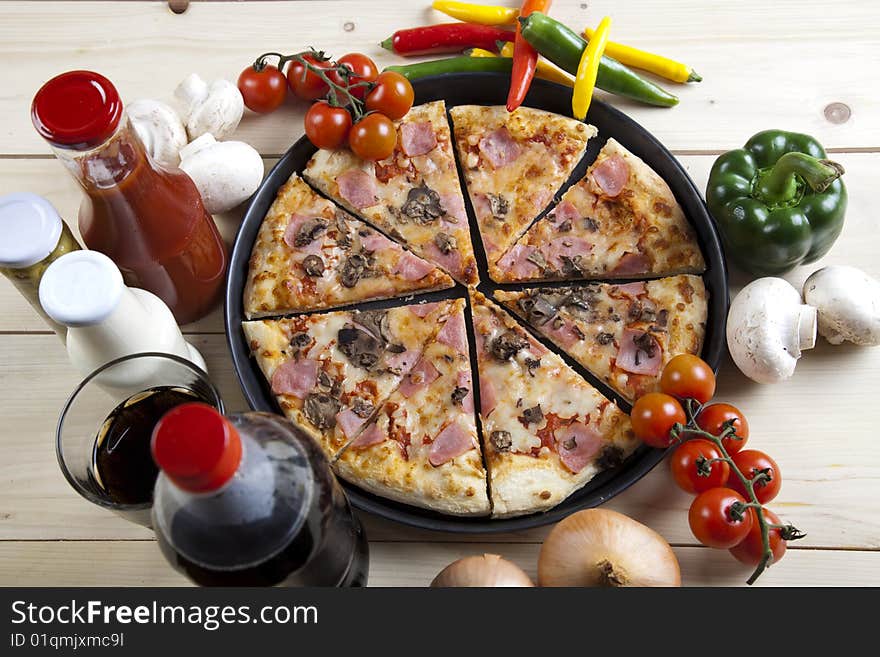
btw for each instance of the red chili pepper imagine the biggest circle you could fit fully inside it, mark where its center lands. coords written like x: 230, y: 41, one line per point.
x: 525, y: 58
x: 446, y: 37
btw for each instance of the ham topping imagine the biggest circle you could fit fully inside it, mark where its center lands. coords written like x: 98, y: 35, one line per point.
x: 611, y: 175
x: 488, y: 398
x: 454, y: 206
x: 516, y: 261
x: 453, y: 333
x: 419, y: 377
x: 565, y: 211
x: 375, y: 241
x: 453, y: 441
x: 417, y: 138
x: 295, y: 377
x: 423, y: 309
x: 639, y: 353
x: 402, y: 363
x: 451, y: 261
x: 564, y: 335
x: 464, y: 381
x: 293, y: 225
x: 349, y: 422
x: 630, y: 290
x: 357, y: 187
x: 577, y: 445
x: 499, y: 147
x: 372, y: 435
x: 568, y: 247
x: 411, y: 267
x: 632, y: 263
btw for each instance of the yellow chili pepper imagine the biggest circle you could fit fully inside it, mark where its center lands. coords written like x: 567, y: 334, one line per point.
x: 662, y: 66
x: 545, y: 69
x: 480, y: 52
x: 482, y: 14
x: 588, y: 69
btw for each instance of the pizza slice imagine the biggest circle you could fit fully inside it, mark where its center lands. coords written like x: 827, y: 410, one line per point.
x: 546, y: 431
x: 311, y: 255
x: 413, y: 195
x: 422, y: 447
x: 624, y: 334
x: 513, y: 164
x: 329, y: 372
x: 620, y: 221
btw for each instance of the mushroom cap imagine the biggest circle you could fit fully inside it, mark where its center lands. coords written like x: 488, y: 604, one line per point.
x: 159, y: 128
x: 848, y: 303
x: 225, y: 173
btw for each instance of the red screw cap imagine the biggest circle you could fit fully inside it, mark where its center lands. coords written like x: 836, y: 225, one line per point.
x: 78, y: 110
x: 196, y: 447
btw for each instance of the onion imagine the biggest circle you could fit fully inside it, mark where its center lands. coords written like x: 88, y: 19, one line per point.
x: 487, y: 570
x: 597, y: 547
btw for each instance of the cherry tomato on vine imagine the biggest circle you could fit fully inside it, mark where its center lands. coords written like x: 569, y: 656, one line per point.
x: 750, y: 550
x: 362, y: 68
x: 749, y: 462
x: 653, y: 416
x: 711, y: 521
x: 303, y: 82
x: 392, y: 96
x: 712, y: 419
x: 688, y: 376
x: 264, y: 90
x: 327, y: 126
x: 684, y: 466
x: 373, y: 137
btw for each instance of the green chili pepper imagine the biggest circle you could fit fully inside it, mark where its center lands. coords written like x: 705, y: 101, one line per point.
x: 461, y: 64
x: 564, y: 48
x: 777, y: 201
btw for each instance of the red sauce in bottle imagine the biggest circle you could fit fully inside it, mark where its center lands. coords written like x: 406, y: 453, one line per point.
x: 150, y: 221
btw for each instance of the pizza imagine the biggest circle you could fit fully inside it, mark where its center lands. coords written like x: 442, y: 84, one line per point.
x: 546, y: 431
x: 413, y: 195
x: 513, y: 163
x: 622, y: 333
x: 620, y: 221
x: 311, y: 255
x: 330, y: 371
x: 422, y: 447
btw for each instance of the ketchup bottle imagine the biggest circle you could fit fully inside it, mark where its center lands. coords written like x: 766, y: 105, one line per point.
x: 150, y: 221
x: 249, y: 500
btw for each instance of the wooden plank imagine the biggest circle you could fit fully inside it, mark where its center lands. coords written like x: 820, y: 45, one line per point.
x: 47, y: 178
x: 139, y: 563
x: 829, y: 469
x: 756, y: 74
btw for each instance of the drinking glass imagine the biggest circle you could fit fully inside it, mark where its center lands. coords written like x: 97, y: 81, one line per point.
x: 95, y: 398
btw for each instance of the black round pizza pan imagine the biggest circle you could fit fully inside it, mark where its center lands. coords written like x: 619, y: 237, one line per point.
x: 491, y: 89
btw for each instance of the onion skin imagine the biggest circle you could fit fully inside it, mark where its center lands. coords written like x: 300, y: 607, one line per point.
x: 487, y: 570
x: 598, y: 547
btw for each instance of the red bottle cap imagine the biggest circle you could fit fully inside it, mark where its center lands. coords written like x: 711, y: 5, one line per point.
x: 196, y: 447
x: 78, y: 109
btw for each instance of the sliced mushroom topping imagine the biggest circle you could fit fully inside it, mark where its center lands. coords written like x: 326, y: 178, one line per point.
x: 537, y: 259
x: 570, y: 444
x: 445, y: 242
x: 313, y: 265
x: 610, y: 457
x: 571, y: 265
x: 532, y: 364
x: 362, y: 408
x: 324, y: 380
x: 309, y: 230
x: 533, y: 415
x: 591, y: 224
x: 459, y: 394
x: 605, y: 338
x: 538, y: 309
x: 320, y: 409
x: 646, y: 344
x: 361, y: 348
x: 377, y: 323
x: 300, y: 340
x: 352, y: 270
x: 662, y: 317
x: 506, y: 345
x: 501, y: 440
x: 565, y: 226
x: 423, y: 205
x: 498, y: 205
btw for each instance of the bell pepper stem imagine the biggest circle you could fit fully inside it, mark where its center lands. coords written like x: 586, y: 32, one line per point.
x: 780, y: 183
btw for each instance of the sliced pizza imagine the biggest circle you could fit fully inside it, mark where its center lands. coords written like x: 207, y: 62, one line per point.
x: 620, y: 221
x: 422, y: 447
x: 513, y: 163
x: 546, y: 431
x: 329, y: 372
x: 413, y: 195
x: 624, y: 334
x: 311, y: 255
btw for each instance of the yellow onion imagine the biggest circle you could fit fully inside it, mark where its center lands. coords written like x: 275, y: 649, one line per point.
x: 597, y: 547
x: 487, y: 570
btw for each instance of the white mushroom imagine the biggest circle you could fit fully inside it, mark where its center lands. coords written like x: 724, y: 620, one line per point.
x: 160, y: 128
x: 767, y: 329
x: 848, y: 302
x: 216, y: 108
x: 225, y: 173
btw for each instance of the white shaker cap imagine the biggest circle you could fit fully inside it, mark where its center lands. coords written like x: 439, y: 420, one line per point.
x: 81, y: 288
x: 30, y: 227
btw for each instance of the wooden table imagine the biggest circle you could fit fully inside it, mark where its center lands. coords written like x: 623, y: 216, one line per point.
x: 800, y: 65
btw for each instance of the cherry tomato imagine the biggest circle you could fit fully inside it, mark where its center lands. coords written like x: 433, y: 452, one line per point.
x: 327, y: 126
x: 712, y: 419
x: 303, y: 82
x: 653, y: 416
x: 711, y: 522
x: 751, y: 461
x: 684, y: 466
x: 688, y: 376
x: 373, y: 137
x: 363, y: 69
x: 751, y: 550
x: 264, y: 90
x: 392, y: 96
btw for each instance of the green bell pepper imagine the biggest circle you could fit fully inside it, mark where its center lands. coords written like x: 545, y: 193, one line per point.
x: 777, y: 202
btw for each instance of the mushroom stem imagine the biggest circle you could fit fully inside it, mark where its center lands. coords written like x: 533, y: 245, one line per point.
x: 806, y: 326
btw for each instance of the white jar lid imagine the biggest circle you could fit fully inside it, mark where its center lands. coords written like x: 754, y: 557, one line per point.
x: 30, y: 227
x: 81, y: 288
